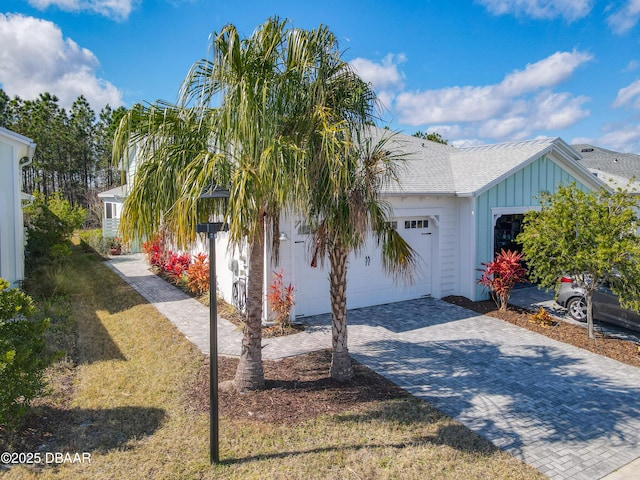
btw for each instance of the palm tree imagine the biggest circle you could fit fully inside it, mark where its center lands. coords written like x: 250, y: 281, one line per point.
x: 257, y: 80
x: 346, y: 170
x: 242, y: 120
x: 266, y: 117
x: 345, y: 210
x: 169, y: 145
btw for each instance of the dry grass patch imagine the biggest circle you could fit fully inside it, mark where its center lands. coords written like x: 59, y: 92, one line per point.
x: 134, y: 396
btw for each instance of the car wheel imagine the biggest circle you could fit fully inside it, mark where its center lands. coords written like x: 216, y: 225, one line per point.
x: 577, y: 308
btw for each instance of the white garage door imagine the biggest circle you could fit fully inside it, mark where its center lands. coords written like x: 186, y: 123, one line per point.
x: 367, y: 283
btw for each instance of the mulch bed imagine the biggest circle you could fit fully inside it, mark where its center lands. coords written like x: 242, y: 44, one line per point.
x: 622, y: 350
x: 296, y: 389
x: 299, y: 388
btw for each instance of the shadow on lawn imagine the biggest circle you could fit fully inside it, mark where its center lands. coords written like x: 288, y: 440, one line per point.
x: 84, y: 430
x: 454, y: 435
x: 94, y: 341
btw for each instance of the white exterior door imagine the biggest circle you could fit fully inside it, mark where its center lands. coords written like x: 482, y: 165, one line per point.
x: 311, y: 284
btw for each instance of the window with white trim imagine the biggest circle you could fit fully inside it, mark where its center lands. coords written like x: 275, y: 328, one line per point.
x: 110, y: 210
x: 416, y: 224
x: 393, y: 224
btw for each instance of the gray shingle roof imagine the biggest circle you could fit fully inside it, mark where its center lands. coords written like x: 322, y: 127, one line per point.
x: 435, y: 169
x: 624, y: 165
x: 425, y: 167
x: 616, y: 169
x: 476, y: 168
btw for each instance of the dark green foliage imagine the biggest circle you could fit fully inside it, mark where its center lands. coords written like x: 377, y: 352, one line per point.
x: 50, y: 225
x: 92, y: 240
x: 432, y: 137
x: 590, y: 236
x: 23, y: 355
x: 73, y: 154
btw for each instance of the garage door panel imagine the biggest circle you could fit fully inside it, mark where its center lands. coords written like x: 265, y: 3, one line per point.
x: 367, y: 283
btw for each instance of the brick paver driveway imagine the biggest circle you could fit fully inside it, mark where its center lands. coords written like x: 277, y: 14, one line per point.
x: 569, y: 413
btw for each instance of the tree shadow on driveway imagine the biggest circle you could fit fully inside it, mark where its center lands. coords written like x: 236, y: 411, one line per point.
x: 539, y: 402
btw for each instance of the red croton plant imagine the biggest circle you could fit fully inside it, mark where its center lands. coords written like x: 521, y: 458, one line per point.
x: 281, y: 299
x: 178, y: 268
x: 501, y: 275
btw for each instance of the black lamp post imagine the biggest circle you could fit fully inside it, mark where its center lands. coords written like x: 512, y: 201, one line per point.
x: 211, y: 228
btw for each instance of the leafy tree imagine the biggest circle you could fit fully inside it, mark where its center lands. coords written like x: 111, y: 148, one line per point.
x: 80, y: 173
x: 5, y: 110
x: 50, y: 224
x: 590, y: 236
x: 71, y: 158
x: 108, y: 121
x: 431, y: 136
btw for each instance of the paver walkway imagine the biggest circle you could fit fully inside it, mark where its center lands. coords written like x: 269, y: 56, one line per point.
x: 192, y: 318
x: 569, y: 413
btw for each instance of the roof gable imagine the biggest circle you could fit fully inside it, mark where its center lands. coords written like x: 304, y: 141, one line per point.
x: 479, y: 168
x: 25, y: 146
x: 431, y: 168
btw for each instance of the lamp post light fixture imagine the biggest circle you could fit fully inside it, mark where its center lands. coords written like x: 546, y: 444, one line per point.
x: 211, y: 228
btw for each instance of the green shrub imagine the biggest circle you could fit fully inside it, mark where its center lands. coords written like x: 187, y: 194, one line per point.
x: 92, y: 240
x: 23, y: 355
x: 50, y: 225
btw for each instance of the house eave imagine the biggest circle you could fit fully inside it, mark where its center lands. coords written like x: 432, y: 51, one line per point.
x: 562, y: 150
x: 511, y: 171
x: 419, y: 194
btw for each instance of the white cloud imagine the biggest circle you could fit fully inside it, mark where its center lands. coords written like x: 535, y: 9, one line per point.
x: 556, y: 111
x: 115, y: 9
x: 628, y: 96
x: 523, y: 102
x: 619, y: 137
x: 453, y: 104
x: 35, y: 58
x: 625, y: 138
x: 631, y: 66
x: 384, y: 75
x: 570, y: 10
x: 624, y: 19
x: 546, y: 73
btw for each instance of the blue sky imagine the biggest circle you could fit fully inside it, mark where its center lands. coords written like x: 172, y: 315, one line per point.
x: 476, y: 71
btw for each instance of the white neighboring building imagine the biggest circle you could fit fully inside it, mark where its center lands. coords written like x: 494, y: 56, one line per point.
x: 16, y: 151
x: 112, y: 200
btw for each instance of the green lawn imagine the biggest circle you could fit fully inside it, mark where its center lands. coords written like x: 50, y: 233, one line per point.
x: 119, y: 396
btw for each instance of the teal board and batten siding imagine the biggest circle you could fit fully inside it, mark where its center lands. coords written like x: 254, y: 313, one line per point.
x: 521, y: 189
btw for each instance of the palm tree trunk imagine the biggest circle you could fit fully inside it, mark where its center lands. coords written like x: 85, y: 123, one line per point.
x: 341, y: 368
x: 250, y: 372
